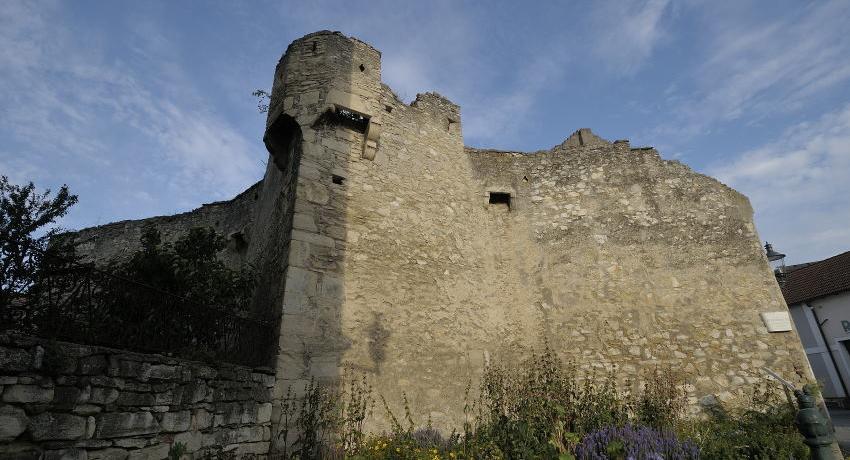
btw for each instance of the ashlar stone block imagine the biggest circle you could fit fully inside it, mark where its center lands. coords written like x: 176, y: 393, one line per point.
x: 66, y: 454
x: 13, y: 422
x: 14, y: 359
x: 51, y: 426
x: 125, y: 424
x: 28, y: 394
x: 172, y: 422
x: 158, y: 451
x: 112, y: 453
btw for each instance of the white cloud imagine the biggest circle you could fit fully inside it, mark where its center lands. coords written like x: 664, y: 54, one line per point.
x: 61, y: 97
x: 456, y: 50
x: 501, y: 116
x: 799, y: 186
x: 627, y: 32
x: 755, y: 69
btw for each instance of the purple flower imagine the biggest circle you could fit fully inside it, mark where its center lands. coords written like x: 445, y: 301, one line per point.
x: 634, y: 443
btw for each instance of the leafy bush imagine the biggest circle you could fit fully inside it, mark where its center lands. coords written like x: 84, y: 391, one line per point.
x: 635, y: 443
x: 178, y: 294
x: 189, y: 268
x: 763, y: 430
x: 661, y: 402
x: 541, y: 410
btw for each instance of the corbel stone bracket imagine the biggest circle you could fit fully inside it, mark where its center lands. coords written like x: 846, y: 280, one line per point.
x: 373, y: 134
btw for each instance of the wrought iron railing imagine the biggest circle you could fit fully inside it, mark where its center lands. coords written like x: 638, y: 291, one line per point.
x: 82, y: 304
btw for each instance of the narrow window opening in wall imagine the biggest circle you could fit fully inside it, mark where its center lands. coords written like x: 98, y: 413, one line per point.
x: 352, y: 120
x: 338, y: 180
x: 500, y: 198
x: 388, y: 109
x: 314, y: 48
x: 362, y: 68
x: 449, y: 125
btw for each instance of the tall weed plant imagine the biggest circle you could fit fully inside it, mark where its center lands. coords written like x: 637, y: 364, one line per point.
x: 545, y: 409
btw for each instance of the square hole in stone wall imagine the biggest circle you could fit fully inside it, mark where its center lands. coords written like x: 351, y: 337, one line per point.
x: 500, y: 198
x: 351, y: 119
x: 338, y: 180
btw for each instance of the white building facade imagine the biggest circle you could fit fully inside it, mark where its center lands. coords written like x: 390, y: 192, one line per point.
x: 818, y: 296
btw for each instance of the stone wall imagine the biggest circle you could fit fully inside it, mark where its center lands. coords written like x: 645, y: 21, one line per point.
x: 402, y: 268
x: 120, y: 240
x: 62, y: 400
x: 387, y: 246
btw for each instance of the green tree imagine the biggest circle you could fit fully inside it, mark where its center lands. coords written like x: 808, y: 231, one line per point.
x: 27, y: 221
x: 190, y: 269
x: 177, y: 293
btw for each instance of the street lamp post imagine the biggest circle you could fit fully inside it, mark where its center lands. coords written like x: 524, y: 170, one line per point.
x: 777, y: 263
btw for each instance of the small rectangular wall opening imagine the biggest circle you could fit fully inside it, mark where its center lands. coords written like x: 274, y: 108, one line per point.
x: 351, y: 119
x: 500, y: 199
x: 338, y: 180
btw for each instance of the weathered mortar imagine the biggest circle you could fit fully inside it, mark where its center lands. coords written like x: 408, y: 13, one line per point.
x: 381, y: 251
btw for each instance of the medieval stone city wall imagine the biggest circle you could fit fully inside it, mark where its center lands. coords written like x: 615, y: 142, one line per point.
x: 406, y: 272
x: 386, y: 246
x: 118, y: 241
x: 635, y: 261
x: 67, y: 401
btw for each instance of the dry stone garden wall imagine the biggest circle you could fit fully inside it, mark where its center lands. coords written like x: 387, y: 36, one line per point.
x: 64, y: 401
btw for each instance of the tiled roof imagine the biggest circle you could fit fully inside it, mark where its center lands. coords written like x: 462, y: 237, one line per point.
x: 829, y: 276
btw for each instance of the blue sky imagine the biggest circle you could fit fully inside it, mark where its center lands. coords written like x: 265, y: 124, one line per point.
x: 145, y: 108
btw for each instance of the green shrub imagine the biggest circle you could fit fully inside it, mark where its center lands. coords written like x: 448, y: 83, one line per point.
x: 542, y: 410
x: 763, y: 430
x: 326, y: 421
x: 661, y: 401
x: 181, y: 295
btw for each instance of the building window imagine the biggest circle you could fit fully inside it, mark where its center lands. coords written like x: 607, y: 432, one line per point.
x: 500, y: 199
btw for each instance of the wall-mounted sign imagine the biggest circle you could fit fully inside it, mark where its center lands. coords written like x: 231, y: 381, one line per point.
x: 776, y: 321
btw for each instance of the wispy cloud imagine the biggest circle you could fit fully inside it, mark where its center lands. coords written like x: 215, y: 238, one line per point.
x: 68, y: 110
x: 501, y: 116
x: 448, y: 50
x: 144, y: 109
x: 798, y: 186
x: 755, y: 69
x: 628, y: 32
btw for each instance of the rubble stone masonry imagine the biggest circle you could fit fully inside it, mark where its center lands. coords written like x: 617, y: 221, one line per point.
x: 64, y: 401
x: 387, y: 246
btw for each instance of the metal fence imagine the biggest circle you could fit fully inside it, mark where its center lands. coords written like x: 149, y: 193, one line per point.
x: 82, y: 304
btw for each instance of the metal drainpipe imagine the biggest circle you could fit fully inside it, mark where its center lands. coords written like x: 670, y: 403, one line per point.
x: 829, y: 350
